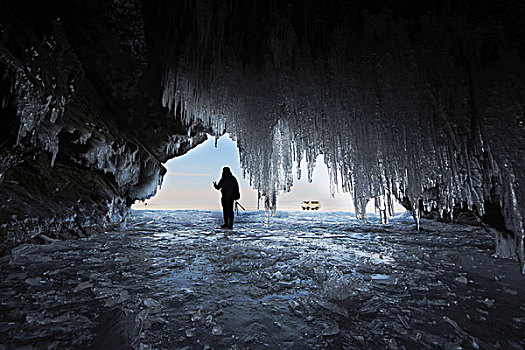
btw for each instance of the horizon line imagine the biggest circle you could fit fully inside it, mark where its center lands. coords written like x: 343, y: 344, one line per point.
x: 282, y: 209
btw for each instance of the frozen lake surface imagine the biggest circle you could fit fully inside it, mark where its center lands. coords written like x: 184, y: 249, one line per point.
x: 173, y: 280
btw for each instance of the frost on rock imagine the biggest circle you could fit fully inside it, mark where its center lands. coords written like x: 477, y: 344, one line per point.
x: 37, y: 112
x: 394, y: 118
x: 67, y: 169
x: 39, y: 93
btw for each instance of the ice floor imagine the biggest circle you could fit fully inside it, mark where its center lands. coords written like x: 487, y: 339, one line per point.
x: 173, y: 280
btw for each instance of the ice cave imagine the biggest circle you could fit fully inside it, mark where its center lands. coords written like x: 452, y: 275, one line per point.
x: 420, y: 102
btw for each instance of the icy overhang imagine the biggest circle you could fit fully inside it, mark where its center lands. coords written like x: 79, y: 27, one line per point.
x: 406, y: 101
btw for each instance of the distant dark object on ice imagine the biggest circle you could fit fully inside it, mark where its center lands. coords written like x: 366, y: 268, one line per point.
x: 313, y: 205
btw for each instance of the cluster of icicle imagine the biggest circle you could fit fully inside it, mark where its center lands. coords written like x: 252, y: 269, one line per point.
x: 376, y: 125
x: 398, y: 122
x: 381, y: 127
x: 41, y: 99
x: 38, y: 106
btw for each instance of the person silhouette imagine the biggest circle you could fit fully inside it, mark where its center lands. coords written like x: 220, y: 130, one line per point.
x: 230, y: 193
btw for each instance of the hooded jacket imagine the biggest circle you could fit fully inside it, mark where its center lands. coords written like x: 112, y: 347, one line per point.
x: 228, y: 185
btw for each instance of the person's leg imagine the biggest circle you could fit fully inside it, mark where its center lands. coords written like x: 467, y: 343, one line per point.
x: 224, y: 203
x: 229, y: 212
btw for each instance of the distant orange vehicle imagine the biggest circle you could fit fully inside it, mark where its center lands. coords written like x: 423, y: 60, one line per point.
x: 310, y: 205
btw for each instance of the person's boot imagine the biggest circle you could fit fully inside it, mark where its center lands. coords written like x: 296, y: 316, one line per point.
x: 225, y: 226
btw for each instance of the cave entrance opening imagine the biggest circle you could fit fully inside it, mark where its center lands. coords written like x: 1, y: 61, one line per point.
x: 188, y: 183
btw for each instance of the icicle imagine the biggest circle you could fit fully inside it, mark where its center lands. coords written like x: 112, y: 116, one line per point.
x: 53, y: 158
x: 416, y: 215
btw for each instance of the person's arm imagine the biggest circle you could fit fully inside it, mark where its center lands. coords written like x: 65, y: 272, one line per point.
x: 217, y: 185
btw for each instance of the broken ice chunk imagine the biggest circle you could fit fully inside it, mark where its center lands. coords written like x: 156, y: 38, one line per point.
x: 190, y: 332
x: 83, y: 285
x: 217, y: 330
x: 331, y: 329
x: 334, y: 308
x: 383, y: 279
x: 461, y: 280
x: 36, y: 281
x: 148, y: 302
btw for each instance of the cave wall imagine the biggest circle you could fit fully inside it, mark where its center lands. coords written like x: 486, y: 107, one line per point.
x: 83, y: 132
x: 420, y: 100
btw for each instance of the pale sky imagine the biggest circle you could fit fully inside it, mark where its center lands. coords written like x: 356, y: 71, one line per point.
x: 188, y: 183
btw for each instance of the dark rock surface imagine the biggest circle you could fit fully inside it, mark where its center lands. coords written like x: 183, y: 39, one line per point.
x: 83, y: 131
